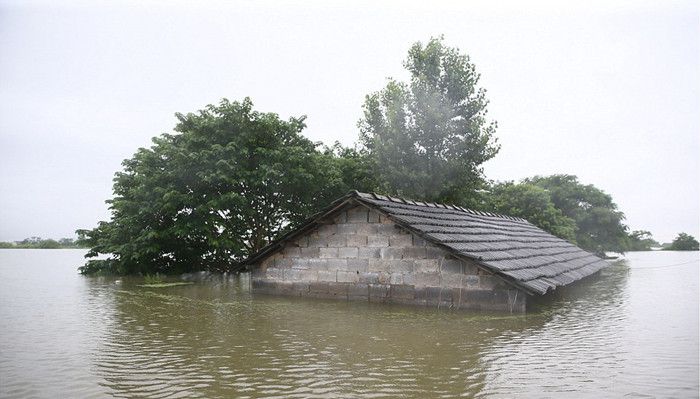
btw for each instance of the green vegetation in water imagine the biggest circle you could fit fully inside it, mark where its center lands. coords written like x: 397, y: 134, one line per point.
x: 426, y: 138
x: 153, y: 278
x: 164, y: 285
x: 156, y: 281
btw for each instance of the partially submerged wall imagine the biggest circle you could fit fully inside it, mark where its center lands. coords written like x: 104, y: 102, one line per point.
x: 361, y: 255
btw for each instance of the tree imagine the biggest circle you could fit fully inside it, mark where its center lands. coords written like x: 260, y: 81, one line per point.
x: 31, y: 242
x: 599, y: 223
x: 684, y: 242
x: 49, y: 244
x: 532, y: 203
x: 354, y: 169
x: 224, y: 186
x: 428, y: 138
x: 68, y: 243
x: 38, y: 243
x: 641, y: 240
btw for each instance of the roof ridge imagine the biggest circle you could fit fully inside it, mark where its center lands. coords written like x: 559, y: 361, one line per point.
x: 407, y: 201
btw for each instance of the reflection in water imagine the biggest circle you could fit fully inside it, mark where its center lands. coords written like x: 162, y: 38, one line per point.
x: 632, y: 330
x: 576, y: 350
x: 193, y: 343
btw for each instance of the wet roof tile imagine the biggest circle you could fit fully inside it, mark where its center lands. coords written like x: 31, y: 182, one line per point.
x: 508, y: 246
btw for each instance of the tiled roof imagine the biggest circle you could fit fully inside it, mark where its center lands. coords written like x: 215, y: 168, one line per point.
x: 510, y: 247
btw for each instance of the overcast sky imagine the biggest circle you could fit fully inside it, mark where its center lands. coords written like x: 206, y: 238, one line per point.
x: 608, y: 91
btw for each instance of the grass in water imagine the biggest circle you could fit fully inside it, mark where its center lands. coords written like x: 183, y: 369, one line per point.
x: 156, y: 281
x: 153, y: 279
x: 163, y: 285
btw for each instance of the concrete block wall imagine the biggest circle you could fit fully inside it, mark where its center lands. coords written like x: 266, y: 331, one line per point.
x: 361, y: 255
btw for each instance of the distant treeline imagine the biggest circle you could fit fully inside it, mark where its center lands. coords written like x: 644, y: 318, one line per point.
x: 41, y: 243
x: 641, y: 240
x: 684, y: 242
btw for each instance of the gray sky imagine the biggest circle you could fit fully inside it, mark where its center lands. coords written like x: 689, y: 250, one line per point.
x: 608, y: 91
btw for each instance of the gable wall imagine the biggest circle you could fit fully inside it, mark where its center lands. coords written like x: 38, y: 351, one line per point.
x: 360, y: 254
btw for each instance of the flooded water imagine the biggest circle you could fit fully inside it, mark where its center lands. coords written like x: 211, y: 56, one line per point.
x: 631, y: 331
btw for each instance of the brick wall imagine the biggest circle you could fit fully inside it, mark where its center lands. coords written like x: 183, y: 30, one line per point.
x: 361, y: 255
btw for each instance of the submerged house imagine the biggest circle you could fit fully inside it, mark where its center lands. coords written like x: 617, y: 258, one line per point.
x: 385, y: 249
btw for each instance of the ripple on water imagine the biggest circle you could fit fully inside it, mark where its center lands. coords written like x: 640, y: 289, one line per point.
x: 607, y: 337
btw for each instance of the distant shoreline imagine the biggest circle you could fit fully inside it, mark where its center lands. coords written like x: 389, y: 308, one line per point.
x: 22, y: 247
x: 43, y: 243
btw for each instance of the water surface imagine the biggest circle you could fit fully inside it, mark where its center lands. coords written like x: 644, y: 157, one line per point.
x: 630, y: 331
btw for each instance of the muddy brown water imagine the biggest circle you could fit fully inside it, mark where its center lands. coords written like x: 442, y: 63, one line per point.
x: 631, y: 331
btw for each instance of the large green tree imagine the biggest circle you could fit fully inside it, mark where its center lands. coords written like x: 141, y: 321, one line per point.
x: 599, y: 223
x: 428, y: 138
x: 353, y: 168
x: 226, y: 183
x: 532, y: 203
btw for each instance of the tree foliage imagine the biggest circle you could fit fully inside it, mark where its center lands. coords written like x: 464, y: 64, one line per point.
x: 684, y: 242
x: 229, y: 181
x: 532, y: 203
x: 561, y: 205
x: 599, y: 223
x: 353, y: 168
x: 428, y: 138
x: 641, y: 240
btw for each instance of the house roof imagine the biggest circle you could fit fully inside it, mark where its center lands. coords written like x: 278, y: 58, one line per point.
x: 513, y: 248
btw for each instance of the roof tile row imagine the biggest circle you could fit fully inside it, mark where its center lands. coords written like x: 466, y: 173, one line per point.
x: 508, y: 246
